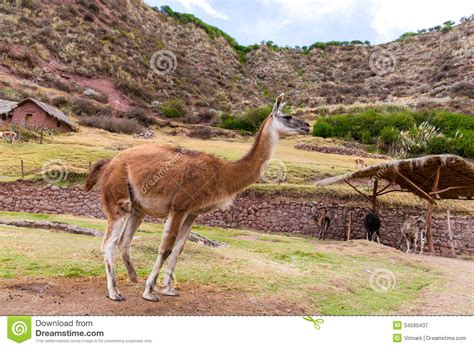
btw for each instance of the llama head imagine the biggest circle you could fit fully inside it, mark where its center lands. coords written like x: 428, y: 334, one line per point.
x: 286, y: 124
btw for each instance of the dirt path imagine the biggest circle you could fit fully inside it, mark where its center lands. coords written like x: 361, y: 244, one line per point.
x: 87, y: 296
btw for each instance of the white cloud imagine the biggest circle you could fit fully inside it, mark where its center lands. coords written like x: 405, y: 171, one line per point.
x: 203, y: 5
x: 309, y: 10
x: 391, y: 18
x: 388, y: 19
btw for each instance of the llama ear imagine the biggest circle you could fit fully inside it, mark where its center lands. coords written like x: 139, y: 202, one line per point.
x: 282, y: 105
x: 277, y: 105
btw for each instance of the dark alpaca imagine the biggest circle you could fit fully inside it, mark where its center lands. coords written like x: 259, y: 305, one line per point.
x: 372, y: 225
x: 324, y: 223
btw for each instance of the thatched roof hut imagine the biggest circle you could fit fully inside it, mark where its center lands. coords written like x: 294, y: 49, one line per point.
x: 430, y: 177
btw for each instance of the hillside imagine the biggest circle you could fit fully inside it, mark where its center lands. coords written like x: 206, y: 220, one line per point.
x: 93, y: 57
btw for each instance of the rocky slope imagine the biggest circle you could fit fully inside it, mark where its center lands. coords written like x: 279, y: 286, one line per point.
x: 95, y: 56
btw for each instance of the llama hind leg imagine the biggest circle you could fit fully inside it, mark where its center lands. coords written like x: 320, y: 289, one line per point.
x: 181, y: 239
x: 114, y: 229
x: 125, y: 243
x: 170, y: 231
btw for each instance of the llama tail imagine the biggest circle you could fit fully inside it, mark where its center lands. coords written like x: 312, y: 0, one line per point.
x: 94, y: 173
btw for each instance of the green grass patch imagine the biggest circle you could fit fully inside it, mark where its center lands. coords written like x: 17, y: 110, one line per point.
x: 329, y: 281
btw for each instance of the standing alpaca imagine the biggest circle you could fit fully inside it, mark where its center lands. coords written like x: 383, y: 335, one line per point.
x: 323, y: 222
x: 414, y: 228
x: 360, y: 163
x: 372, y: 225
x: 178, y: 184
x: 8, y: 136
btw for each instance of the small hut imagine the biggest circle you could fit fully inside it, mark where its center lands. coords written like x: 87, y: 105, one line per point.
x: 33, y: 113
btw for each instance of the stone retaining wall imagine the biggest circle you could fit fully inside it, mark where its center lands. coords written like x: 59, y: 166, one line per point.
x: 259, y: 212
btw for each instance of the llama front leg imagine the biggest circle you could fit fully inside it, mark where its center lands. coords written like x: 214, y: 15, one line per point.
x: 114, y: 229
x: 170, y: 231
x: 408, y: 246
x: 183, y: 235
x: 414, y: 245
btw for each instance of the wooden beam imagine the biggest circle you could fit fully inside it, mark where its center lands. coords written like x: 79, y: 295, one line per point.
x: 429, y: 232
x: 436, y: 181
x: 416, y: 188
x: 386, y: 187
x: 449, y: 189
x: 395, y: 190
x: 361, y: 193
x: 374, y: 196
x: 429, y: 217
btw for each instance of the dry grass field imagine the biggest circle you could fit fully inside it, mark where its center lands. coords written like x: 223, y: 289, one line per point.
x: 302, y: 167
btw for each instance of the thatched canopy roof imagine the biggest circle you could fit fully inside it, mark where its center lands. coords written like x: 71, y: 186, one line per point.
x: 455, y: 179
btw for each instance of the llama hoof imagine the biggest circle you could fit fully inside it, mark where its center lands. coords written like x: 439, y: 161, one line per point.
x: 117, y: 297
x: 150, y: 296
x: 170, y: 292
x: 133, y: 278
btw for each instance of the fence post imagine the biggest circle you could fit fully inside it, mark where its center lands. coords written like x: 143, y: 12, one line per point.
x: 450, y: 233
x: 22, y: 170
x: 41, y: 136
x: 349, y: 226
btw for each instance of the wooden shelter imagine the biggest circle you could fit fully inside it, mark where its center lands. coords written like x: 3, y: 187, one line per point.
x: 431, y: 178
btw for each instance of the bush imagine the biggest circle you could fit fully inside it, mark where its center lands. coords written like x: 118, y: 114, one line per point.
x: 389, y: 135
x: 323, y: 129
x: 410, y: 131
x: 249, y: 121
x: 439, y: 145
x: 173, y: 108
x: 112, y: 124
x: 84, y: 107
x: 140, y: 115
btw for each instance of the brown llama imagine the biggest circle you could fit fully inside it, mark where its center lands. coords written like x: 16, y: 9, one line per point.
x: 176, y: 184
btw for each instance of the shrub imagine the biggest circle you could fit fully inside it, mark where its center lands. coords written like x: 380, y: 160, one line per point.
x: 112, y: 124
x: 439, y: 145
x: 389, y: 135
x: 84, y: 107
x: 323, y: 129
x: 140, y: 116
x: 249, y: 121
x: 402, y: 131
x: 172, y: 108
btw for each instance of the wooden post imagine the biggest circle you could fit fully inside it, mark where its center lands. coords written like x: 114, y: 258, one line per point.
x: 374, y: 197
x: 429, y: 232
x: 429, y: 215
x: 22, y: 169
x: 349, y: 226
x: 450, y: 233
x: 41, y: 136
x: 90, y: 166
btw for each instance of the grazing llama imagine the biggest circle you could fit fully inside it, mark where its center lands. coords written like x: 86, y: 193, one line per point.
x: 414, y: 229
x: 323, y: 222
x: 8, y: 136
x: 179, y: 185
x: 372, y: 226
x: 360, y: 163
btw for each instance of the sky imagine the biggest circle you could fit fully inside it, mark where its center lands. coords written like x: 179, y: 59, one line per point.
x: 302, y: 22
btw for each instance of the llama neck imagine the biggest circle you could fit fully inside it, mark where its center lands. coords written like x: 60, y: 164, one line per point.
x: 248, y: 169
